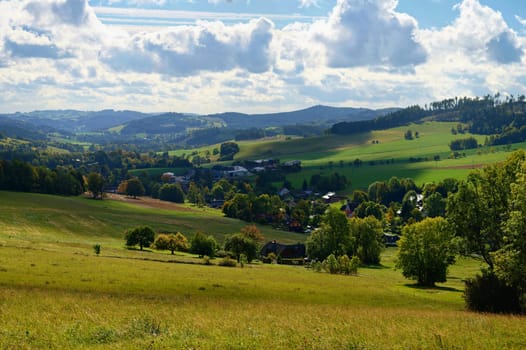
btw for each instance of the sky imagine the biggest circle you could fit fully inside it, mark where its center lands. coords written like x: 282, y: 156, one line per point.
x: 256, y: 56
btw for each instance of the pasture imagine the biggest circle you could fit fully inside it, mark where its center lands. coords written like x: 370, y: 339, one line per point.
x: 390, y: 154
x: 56, y: 293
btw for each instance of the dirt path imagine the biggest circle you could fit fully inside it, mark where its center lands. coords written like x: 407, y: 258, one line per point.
x: 147, y: 202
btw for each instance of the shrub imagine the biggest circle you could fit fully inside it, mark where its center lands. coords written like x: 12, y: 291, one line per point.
x: 171, y: 242
x: 348, y: 266
x: 206, y: 260
x: 487, y: 293
x: 203, y: 245
x: 272, y: 258
x: 331, y: 264
x: 96, y: 248
x: 316, y: 266
x: 228, y: 262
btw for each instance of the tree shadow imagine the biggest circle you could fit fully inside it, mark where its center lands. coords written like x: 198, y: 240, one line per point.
x: 433, y: 289
x: 374, y: 267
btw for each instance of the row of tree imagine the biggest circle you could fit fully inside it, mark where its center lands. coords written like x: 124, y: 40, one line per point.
x: 244, y: 244
x: 21, y: 176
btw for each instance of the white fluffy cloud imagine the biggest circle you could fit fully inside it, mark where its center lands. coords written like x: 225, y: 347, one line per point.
x: 58, y: 54
x: 187, y: 50
x: 369, y: 33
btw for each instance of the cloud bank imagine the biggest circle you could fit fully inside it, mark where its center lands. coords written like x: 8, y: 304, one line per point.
x: 59, y: 54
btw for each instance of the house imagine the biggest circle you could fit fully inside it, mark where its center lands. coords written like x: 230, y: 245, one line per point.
x: 291, y: 166
x: 286, y: 253
x: 237, y: 171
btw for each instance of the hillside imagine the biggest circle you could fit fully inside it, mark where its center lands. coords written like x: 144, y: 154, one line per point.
x: 72, y: 121
x: 505, y: 120
x: 318, y: 115
x: 427, y: 158
x: 62, y: 296
x: 23, y: 130
x: 28, y: 219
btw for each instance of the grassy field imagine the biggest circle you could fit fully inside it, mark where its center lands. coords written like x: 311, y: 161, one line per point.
x: 391, y: 155
x: 56, y: 293
x: 27, y: 219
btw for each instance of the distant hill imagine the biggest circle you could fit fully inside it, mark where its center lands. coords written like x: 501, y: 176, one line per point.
x: 78, y: 121
x: 132, y: 122
x: 318, y: 115
x: 180, y: 128
x: 169, y: 123
x: 22, y: 130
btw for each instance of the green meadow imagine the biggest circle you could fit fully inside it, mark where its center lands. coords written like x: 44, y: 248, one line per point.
x: 56, y: 293
x: 390, y: 154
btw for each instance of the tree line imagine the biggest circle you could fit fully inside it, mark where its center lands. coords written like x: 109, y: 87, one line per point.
x: 489, y: 115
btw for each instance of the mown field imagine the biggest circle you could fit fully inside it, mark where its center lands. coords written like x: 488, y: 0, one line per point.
x: 56, y: 293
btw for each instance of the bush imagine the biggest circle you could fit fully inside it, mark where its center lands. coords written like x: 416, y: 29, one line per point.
x: 349, y: 266
x: 228, y: 262
x: 486, y: 293
x: 203, y: 245
x: 342, y: 264
x: 206, y: 260
x: 331, y: 264
x: 96, y: 248
x: 171, y: 242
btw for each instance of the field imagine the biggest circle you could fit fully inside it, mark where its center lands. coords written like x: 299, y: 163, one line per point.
x: 56, y: 293
x: 389, y: 156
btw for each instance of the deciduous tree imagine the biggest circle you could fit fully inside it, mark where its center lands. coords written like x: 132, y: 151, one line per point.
x: 95, y: 183
x: 142, y: 236
x: 426, y: 250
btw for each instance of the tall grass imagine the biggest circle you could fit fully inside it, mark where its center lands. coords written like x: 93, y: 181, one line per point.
x: 55, y: 292
x: 62, y: 300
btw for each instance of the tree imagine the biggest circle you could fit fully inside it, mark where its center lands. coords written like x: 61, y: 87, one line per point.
x: 95, y: 184
x: 171, y: 242
x: 134, y: 187
x: 332, y: 237
x: 367, y: 238
x: 195, y: 195
x: 239, y: 244
x: 481, y: 207
x: 228, y: 150
x: 253, y: 232
x: 172, y: 193
x: 426, y: 250
x: 435, y: 205
x: 142, y: 236
x: 369, y: 208
x: 510, y: 260
x: 203, y: 245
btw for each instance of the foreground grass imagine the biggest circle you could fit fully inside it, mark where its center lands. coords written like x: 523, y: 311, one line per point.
x: 55, y: 293
x: 59, y: 299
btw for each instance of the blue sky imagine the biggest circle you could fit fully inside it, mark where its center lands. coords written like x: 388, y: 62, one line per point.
x: 207, y: 56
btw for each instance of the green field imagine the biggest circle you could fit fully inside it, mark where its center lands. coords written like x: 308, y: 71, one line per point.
x: 333, y: 153
x: 27, y: 219
x: 56, y: 293
x: 391, y: 155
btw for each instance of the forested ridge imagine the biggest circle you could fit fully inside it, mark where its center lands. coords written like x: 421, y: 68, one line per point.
x: 502, y: 119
